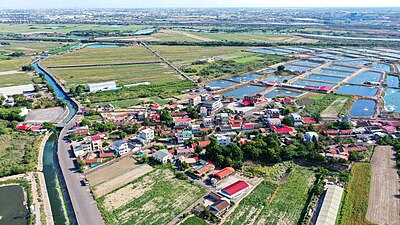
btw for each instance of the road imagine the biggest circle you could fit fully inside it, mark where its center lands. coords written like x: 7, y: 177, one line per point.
x: 85, y: 207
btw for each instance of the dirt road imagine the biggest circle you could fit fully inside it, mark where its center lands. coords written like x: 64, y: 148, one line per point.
x: 384, y: 198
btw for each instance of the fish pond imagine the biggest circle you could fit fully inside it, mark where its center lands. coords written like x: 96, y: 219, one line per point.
x: 381, y: 66
x: 335, y: 72
x: 324, y: 78
x: 311, y: 83
x: 220, y: 84
x: 365, y: 77
x: 245, y: 78
x: 277, y: 78
x: 392, y: 81
x: 357, y: 90
x: 363, y: 108
x: 282, y: 92
x: 392, y: 102
x: 242, y: 91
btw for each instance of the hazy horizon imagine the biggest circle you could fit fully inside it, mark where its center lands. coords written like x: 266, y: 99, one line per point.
x: 47, y: 4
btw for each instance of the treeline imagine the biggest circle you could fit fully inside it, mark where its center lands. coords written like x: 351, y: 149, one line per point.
x: 265, y: 149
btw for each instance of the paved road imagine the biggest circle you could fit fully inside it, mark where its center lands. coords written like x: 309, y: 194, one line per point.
x: 85, y: 207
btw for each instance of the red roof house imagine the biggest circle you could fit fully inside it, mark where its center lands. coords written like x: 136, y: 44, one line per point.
x: 235, y: 189
x: 281, y: 130
x: 225, y: 172
x: 22, y: 127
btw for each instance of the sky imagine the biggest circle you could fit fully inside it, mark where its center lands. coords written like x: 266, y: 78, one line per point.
x: 37, y: 4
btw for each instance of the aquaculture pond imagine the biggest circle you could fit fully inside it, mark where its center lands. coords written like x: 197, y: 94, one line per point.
x: 297, y: 68
x: 392, y: 81
x: 311, y: 83
x: 366, y: 76
x: 306, y: 63
x: 320, y: 59
x: 282, y: 92
x: 12, y: 205
x: 268, y: 71
x: 277, y: 78
x: 335, y: 72
x: 324, y: 78
x: 242, y: 91
x: 145, y: 31
x: 357, y: 90
x: 220, y: 84
x: 244, y: 78
x: 103, y: 46
x: 391, y: 98
x: 381, y: 66
x: 355, y: 62
x: 337, y: 67
x: 333, y: 56
x: 363, y: 108
x: 267, y: 51
x: 299, y: 49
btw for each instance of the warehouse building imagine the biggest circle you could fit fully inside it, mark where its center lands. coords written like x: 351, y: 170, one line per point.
x: 104, y: 86
x: 330, y: 206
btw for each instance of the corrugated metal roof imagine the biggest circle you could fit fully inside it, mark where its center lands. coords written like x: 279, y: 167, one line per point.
x: 330, y: 206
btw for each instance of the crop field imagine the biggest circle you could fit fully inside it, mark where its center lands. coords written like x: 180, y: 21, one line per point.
x: 273, y: 204
x: 181, y: 55
x: 336, y: 106
x: 115, y: 175
x: 156, y: 198
x: 30, y: 47
x: 102, y: 55
x: 127, y: 74
x: 14, y: 64
x: 355, y: 202
x: 64, y: 28
x: 194, y: 221
x: 8, y: 79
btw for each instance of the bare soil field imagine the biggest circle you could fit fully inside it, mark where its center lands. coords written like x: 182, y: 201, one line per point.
x: 115, y: 175
x: 384, y: 198
x: 51, y: 115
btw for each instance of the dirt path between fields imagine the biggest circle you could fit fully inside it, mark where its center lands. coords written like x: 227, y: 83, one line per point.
x: 384, y: 197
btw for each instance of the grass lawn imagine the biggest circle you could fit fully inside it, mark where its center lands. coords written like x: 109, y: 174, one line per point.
x: 194, y: 220
x: 14, y: 64
x: 7, y: 80
x: 127, y: 74
x: 316, y: 103
x: 30, y: 47
x: 276, y: 204
x: 18, y: 152
x: 181, y: 55
x: 156, y: 198
x: 102, y: 55
x: 355, y: 201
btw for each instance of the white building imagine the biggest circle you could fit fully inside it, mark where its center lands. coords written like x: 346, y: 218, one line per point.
x: 223, y: 140
x: 162, y: 156
x: 309, y: 136
x: 182, y: 137
x: 183, y: 122
x: 121, y: 147
x: 274, y: 122
x: 208, y: 122
x: 213, y: 105
x: 194, y: 100
x: 196, y: 129
x: 104, y: 86
x: 146, y: 136
x: 295, y: 117
x: 16, y: 90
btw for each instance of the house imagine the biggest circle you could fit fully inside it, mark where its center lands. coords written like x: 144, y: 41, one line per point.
x: 203, y: 170
x: 203, y: 111
x: 235, y: 189
x: 92, y: 162
x: 308, y: 120
x: 224, y: 118
x: 182, y: 137
x: 345, y: 132
x: 80, y: 131
x: 282, y: 130
x: 194, y: 100
x: 121, y: 147
x: 223, y: 140
x: 219, y: 204
x: 196, y: 129
x: 273, y: 113
x: 208, y: 122
x: 212, y: 105
x: 79, y: 151
x: 184, y: 151
x: 162, y: 156
x: 295, y: 117
x: 331, y: 132
x: 183, y: 122
x: 310, y: 136
x: 104, y: 86
x: 274, y: 122
x: 86, y: 111
x: 254, y: 100
x: 106, y: 155
x: 97, y: 142
x: 324, y: 89
x: 248, y: 126
x: 225, y: 172
x: 23, y: 127
x: 146, y: 136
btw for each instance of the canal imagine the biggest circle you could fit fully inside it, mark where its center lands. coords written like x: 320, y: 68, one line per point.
x: 50, y: 160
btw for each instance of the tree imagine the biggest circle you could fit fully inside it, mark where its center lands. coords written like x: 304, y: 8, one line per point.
x: 146, y: 121
x: 355, y: 156
x: 166, y: 117
x: 122, y: 135
x: 287, y: 121
x: 27, y: 68
x: 281, y: 68
x: 85, y: 122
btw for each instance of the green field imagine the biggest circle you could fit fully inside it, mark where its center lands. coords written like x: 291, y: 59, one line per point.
x: 181, y: 55
x: 156, y: 198
x: 194, y: 221
x: 127, y: 74
x: 14, y: 79
x: 355, y: 201
x: 102, y: 55
x: 132, y: 102
x: 18, y: 151
x: 285, y: 206
x: 30, y: 47
x: 14, y: 64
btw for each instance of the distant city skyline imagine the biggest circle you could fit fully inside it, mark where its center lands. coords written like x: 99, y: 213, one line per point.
x: 38, y: 4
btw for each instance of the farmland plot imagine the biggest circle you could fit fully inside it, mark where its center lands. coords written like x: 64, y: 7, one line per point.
x: 155, y: 198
